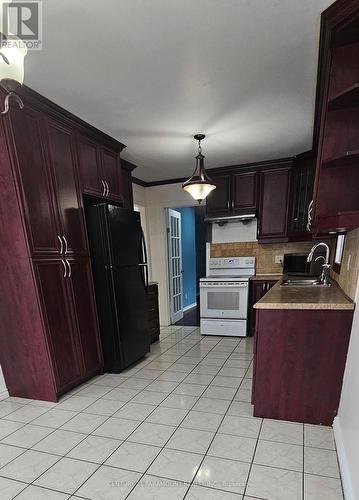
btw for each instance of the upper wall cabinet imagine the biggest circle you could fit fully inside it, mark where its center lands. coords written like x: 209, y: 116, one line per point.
x: 301, y: 195
x: 100, y: 169
x: 273, y: 205
x: 336, y: 198
x: 236, y: 193
x: 218, y: 202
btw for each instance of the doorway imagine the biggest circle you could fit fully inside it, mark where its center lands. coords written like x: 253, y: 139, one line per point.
x: 186, y: 240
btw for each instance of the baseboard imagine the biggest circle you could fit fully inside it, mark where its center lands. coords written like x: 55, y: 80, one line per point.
x: 4, y: 394
x: 343, y: 462
x: 190, y: 306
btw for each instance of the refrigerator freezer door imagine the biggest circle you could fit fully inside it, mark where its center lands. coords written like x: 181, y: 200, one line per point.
x: 126, y: 236
x: 132, y: 311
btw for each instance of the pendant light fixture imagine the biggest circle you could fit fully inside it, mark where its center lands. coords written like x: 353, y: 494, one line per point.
x: 199, y: 185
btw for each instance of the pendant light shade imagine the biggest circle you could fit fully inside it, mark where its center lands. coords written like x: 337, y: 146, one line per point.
x: 199, y: 185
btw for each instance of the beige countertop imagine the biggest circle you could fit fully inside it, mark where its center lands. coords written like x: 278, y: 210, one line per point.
x: 264, y: 277
x: 301, y: 297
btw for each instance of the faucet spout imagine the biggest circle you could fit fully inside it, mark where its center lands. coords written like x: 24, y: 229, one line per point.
x: 326, y: 266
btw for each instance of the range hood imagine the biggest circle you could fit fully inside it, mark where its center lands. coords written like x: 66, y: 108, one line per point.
x: 244, y: 218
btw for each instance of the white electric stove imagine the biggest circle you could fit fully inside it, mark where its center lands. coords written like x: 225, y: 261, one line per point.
x: 224, y: 296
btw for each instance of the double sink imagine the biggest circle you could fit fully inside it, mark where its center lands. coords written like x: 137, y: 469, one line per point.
x: 303, y: 282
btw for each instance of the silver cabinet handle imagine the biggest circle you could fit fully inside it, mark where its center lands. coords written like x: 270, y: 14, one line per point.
x: 66, y: 246
x: 310, y: 211
x: 104, y: 188
x: 108, y: 189
x: 70, y: 268
x: 61, y: 244
x: 65, y: 269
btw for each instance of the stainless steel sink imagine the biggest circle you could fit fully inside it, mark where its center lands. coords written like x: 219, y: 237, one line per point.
x: 302, y: 282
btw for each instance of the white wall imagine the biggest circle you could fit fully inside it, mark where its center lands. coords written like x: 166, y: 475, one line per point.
x: 346, y: 424
x: 156, y: 199
x: 3, y: 389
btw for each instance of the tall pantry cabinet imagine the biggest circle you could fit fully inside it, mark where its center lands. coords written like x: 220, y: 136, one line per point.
x: 49, y: 339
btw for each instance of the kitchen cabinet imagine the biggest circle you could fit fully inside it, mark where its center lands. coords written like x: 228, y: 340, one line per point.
x: 235, y: 194
x: 83, y: 302
x: 62, y: 158
x: 218, y: 202
x: 25, y: 131
x: 127, y: 185
x: 100, y: 170
x: 244, y: 192
x: 50, y: 159
x: 59, y: 322
x: 336, y: 200
x: 299, y: 363
x: 301, y: 195
x: 257, y: 290
x: 153, y: 312
x: 273, y: 205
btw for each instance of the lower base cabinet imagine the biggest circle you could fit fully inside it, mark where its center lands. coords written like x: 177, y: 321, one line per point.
x: 65, y: 290
x: 257, y: 289
x: 299, y: 363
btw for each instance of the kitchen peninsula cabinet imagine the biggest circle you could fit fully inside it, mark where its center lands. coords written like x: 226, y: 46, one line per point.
x: 257, y: 289
x: 50, y: 160
x: 300, y: 349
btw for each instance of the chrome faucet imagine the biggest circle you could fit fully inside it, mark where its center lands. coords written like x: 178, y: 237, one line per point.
x: 324, y: 278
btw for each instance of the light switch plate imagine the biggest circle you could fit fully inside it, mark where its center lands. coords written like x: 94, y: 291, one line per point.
x: 278, y: 259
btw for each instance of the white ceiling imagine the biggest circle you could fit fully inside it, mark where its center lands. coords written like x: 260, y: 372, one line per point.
x: 151, y: 73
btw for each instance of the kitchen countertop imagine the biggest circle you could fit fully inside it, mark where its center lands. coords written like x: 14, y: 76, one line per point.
x: 302, y: 297
x: 264, y: 277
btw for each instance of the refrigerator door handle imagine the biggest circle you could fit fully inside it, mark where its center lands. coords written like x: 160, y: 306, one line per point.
x: 144, y: 249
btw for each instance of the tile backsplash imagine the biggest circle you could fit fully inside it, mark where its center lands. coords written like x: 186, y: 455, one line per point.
x: 349, y: 271
x: 265, y: 254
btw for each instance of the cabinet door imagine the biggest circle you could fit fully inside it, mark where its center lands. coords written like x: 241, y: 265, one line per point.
x: 244, y: 198
x: 63, y: 155
x: 300, y: 198
x: 219, y: 201
x: 61, y: 333
x: 127, y: 190
x: 273, y: 209
x: 111, y: 173
x: 27, y: 145
x: 89, y: 166
x: 257, y: 289
x: 86, y: 314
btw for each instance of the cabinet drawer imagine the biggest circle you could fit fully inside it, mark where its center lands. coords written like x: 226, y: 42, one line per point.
x: 235, y: 328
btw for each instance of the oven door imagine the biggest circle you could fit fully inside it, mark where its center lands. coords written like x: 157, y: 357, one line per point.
x: 227, y: 300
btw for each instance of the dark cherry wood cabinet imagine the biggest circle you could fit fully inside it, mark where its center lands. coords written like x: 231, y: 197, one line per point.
x: 218, y: 202
x: 257, y: 290
x: 90, y: 166
x: 49, y: 160
x: 273, y: 205
x: 25, y: 133
x: 336, y: 200
x: 301, y: 195
x: 84, y: 306
x: 62, y: 160
x: 244, y: 192
x: 112, y: 174
x: 153, y: 311
x: 58, y: 317
x: 299, y: 363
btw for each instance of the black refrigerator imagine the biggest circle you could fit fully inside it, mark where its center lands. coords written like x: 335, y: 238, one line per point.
x: 119, y: 265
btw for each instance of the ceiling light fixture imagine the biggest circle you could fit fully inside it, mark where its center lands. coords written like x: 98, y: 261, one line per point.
x: 199, y: 185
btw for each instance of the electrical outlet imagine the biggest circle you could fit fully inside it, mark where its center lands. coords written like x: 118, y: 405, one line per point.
x: 279, y: 259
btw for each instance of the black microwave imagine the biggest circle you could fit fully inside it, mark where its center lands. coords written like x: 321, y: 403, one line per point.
x: 297, y: 264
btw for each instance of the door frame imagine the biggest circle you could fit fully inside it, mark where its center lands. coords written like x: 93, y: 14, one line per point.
x: 178, y: 315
